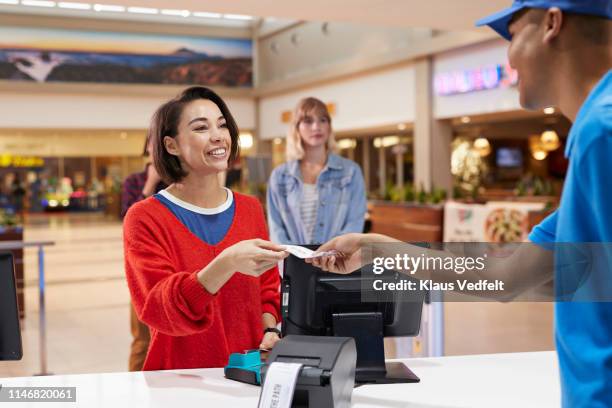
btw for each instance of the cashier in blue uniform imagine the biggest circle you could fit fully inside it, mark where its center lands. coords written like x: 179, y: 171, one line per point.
x: 562, y: 50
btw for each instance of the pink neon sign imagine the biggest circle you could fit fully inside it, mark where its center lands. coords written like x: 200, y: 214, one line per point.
x: 479, y: 79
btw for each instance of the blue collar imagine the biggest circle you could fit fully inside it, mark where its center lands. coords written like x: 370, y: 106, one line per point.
x: 334, y: 162
x: 586, y: 106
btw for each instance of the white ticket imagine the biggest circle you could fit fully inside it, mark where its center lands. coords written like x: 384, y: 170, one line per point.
x: 279, y: 386
x: 305, y: 253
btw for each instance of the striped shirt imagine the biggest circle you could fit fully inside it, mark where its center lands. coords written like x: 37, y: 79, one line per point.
x: 308, y: 209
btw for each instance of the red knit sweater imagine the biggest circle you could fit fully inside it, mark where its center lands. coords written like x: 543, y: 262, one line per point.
x: 190, y: 327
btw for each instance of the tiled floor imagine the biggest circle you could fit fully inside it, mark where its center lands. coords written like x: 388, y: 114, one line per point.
x: 86, y: 297
x: 88, y: 316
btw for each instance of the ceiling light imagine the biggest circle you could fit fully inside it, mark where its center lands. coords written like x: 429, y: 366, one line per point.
x: 9, y: 2
x: 538, y: 151
x: 38, y: 3
x: 401, y: 126
x: 482, y: 146
x: 245, y: 140
x: 539, y: 154
x: 278, y: 141
x: 109, y: 8
x: 237, y: 17
x: 549, y: 111
x: 142, y: 10
x: 175, y: 12
x: 74, y: 6
x: 386, y: 141
x: 549, y: 140
x: 202, y: 14
x: 347, y: 144
x: 465, y: 119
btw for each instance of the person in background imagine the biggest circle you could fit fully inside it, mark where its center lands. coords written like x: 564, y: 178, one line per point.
x: 234, y: 175
x: 200, y: 270
x: 18, y: 194
x: 316, y: 195
x: 136, y: 187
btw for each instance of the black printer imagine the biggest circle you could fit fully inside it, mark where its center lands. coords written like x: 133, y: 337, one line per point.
x: 327, y: 377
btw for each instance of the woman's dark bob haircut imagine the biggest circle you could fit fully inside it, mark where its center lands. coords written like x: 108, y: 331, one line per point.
x: 165, y: 122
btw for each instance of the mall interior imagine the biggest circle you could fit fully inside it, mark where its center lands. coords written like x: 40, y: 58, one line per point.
x: 425, y: 103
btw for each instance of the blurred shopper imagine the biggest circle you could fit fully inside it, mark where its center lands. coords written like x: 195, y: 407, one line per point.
x: 233, y: 179
x: 18, y: 193
x: 317, y: 194
x: 201, y: 273
x: 137, y: 187
x: 562, y: 51
x: 141, y: 185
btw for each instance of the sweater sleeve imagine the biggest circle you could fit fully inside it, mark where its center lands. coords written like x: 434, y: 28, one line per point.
x: 165, y: 298
x: 270, y: 280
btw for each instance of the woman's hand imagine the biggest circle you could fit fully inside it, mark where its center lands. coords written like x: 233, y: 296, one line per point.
x: 348, y: 257
x: 269, y: 340
x: 254, y: 257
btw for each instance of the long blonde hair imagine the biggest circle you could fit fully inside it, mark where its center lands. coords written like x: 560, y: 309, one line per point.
x: 306, y: 106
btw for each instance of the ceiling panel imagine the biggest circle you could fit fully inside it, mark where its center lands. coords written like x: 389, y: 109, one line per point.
x: 437, y: 14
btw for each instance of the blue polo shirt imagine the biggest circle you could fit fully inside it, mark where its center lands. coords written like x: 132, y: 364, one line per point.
x: 583, y: 332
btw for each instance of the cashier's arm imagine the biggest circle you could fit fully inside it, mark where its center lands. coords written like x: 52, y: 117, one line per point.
x: 527, y: 267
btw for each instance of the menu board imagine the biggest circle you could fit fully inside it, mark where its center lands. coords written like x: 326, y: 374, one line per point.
x: 495, y: 221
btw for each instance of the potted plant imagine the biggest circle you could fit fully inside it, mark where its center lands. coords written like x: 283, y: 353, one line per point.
x: 409, y: 214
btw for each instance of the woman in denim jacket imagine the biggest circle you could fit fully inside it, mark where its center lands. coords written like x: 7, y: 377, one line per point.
x: 316, y: 195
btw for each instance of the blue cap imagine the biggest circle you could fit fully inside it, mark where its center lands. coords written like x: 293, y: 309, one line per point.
x: 499, y: 21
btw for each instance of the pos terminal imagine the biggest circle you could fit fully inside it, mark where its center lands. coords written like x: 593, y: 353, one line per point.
x: 317, y: 303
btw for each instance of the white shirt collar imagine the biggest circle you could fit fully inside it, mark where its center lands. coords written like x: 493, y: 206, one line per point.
x: 200, y: 210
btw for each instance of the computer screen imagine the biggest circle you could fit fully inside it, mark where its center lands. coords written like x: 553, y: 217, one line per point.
x: 10, y: 333
x: 509, y: 157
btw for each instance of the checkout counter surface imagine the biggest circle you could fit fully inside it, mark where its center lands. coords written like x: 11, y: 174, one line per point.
x: 499, y: 380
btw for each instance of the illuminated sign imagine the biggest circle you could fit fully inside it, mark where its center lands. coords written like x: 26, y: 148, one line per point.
x: 287, y: 115
x: 479, y: 79
x: 9, y: 160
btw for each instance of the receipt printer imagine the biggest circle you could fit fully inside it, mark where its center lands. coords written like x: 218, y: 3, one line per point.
x: 327, y: 376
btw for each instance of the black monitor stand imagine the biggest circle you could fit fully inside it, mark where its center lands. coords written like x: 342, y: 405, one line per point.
x: 367, y: 330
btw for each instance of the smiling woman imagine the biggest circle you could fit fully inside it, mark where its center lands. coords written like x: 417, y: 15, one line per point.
x: 201, y: 272
x: 188, y: 129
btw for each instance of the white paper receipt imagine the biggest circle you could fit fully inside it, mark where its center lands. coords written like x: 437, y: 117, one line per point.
x: 305, y: 253
x: 278, y: 388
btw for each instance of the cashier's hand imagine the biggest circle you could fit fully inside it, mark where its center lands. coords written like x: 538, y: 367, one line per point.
x: 268, y: 341
x: 253, y: 257
x: 347, y: 260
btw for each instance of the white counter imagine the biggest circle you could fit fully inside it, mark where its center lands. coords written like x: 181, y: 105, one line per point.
x: 494, y: 380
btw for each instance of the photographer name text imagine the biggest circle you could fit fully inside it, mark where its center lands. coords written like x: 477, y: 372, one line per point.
x: 428, y: 284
